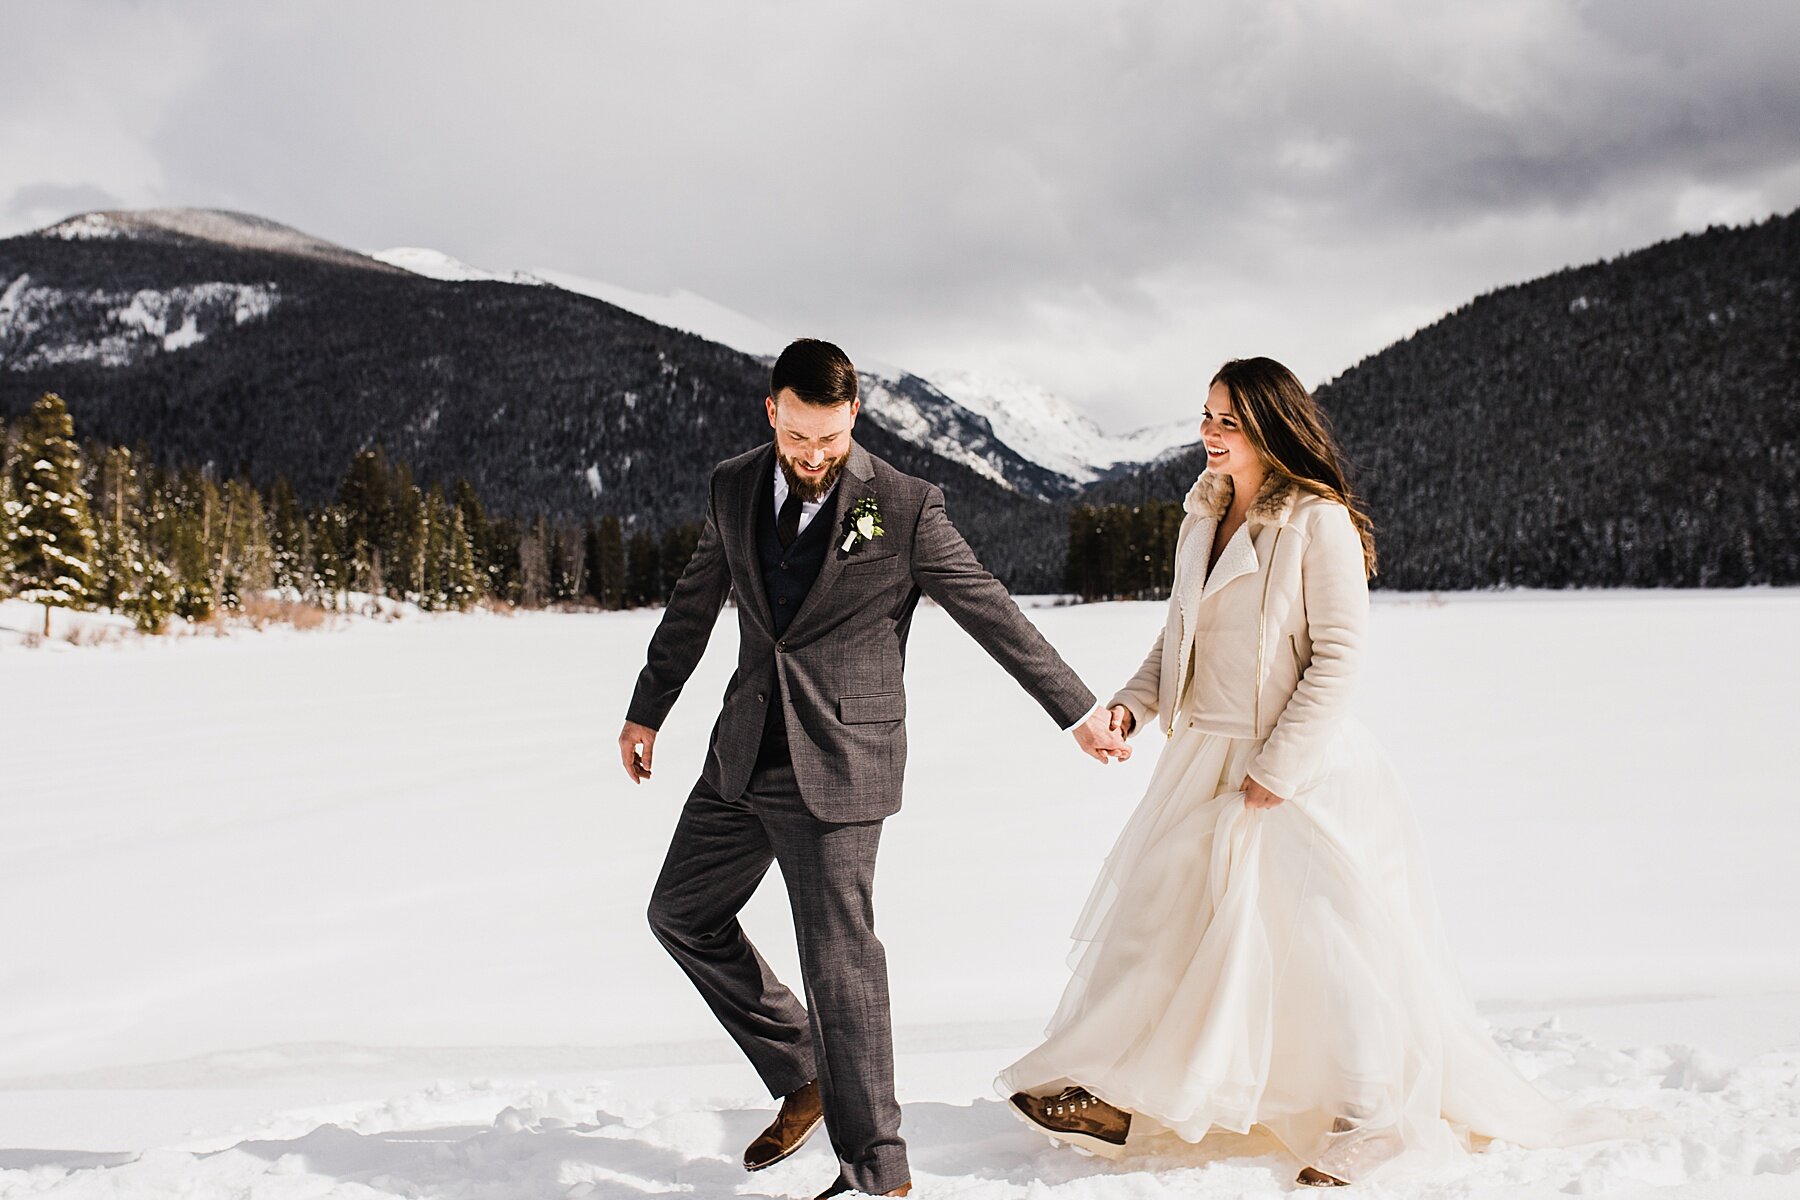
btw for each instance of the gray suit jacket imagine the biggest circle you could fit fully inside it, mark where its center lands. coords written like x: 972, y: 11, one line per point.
x: 837, y: 671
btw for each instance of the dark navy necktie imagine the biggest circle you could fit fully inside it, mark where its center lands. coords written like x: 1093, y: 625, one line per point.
x: 787, y: 523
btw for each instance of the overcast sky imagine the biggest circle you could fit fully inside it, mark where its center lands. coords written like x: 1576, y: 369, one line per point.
x: 1107, y: 198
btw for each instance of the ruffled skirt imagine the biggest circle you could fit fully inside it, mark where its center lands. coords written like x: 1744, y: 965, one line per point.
x: 1285, y: 968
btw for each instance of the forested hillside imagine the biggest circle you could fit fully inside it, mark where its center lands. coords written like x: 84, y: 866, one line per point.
x: 1634, y: 422
x: 265, y: 363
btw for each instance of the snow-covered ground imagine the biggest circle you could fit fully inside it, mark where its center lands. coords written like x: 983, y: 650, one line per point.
x: 359, y: 913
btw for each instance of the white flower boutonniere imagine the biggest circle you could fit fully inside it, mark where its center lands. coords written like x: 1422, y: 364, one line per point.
x: 865, y: 524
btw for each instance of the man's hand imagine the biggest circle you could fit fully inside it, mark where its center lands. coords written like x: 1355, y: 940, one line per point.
x: 1099, y: 737
x: 636, y: 744
x: 1258, y: 796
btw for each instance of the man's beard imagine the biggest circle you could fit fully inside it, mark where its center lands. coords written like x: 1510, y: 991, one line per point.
x: 810, y: 488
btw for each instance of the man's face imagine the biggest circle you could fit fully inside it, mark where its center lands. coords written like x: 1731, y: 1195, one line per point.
x: 812, y: 442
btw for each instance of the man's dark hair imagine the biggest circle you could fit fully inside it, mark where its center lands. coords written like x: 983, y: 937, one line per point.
x: 817, y: 372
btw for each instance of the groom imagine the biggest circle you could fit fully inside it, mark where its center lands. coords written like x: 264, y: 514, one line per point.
x: 827, y: 548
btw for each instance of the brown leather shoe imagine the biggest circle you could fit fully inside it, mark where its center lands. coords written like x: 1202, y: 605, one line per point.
x: 843, y: 1187
x: 1313, y: 1177
x: 800, y: 1114
x: 1078, y: 1117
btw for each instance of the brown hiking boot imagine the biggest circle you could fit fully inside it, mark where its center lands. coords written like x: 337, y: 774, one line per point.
x: 843, y: 1187
x: 800, y: 1114
x: 1078, y: 1117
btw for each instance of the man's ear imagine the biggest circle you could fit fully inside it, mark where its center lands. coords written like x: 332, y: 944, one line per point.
x: 769, y: 403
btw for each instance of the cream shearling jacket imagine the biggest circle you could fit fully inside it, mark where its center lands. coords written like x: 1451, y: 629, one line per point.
x: 1270, y: 644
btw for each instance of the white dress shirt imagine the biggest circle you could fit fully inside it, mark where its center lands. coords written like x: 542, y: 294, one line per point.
x: 808, y: 508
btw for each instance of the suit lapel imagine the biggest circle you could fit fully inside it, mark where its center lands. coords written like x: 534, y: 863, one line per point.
x: 852, y: 486
x: 741, y: 526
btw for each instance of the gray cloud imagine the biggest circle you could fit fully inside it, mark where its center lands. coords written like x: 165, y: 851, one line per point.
x: 1108, y: 197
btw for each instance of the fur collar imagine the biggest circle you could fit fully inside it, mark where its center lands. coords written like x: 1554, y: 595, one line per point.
x: 1274, y: 505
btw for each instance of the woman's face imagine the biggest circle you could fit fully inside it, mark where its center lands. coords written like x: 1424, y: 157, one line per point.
x: 1228, y: 448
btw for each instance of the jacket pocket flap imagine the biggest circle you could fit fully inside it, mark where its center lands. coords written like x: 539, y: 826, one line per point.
x: 862, y: 710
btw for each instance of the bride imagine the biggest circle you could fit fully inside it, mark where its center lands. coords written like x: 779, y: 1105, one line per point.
x: 1262, y: 946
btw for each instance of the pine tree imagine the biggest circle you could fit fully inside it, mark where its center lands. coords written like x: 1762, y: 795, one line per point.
x: 463, y: 581
x: 288, y: 538
x: 249, y: 553
x: 475, y: 522
x: 609, y: 563
x: 643, y: 574
x: 534, y: 566
x: 9, y: 512
x: 434, y: 576
x: 366, y: 501
x: 407, y: 550
x: 328, y: 533
x: 678, y: 545
x: 53, y: 541
x: 135, y: 582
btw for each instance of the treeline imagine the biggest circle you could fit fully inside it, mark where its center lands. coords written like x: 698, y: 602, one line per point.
x: 105, y: 528
x: 1122, y: 551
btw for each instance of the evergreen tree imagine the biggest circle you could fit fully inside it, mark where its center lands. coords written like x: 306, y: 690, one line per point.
x: 137, y: 583
x: 408, y: 549
x: 462, y: 579
x: 9, y: 511
x: 534, y: 566
x: 475, y: 523
x: 53, y: 538
x: 249, y: 553
x: 329, y: 530
x: 434, y: 581
x: 190, y: 538
x: 572, y: 563
x: 609, y: 563
x: 643, y: 573
x: 288, y: 538
x: 678, y: 545
x: 366, y: 501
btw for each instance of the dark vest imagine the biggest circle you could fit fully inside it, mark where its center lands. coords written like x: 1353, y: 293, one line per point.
x: 788, y: 574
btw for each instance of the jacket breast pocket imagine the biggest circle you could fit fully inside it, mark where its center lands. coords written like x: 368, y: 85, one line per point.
x: 859, y: 562
x: 867, y: 710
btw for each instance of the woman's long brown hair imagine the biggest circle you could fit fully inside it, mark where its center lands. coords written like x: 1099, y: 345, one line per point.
x: 1291, y: 432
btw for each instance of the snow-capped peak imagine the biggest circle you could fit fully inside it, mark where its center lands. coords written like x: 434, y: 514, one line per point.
x: 678, y: 310
x: 435, y: 264
x: 1052, y: 432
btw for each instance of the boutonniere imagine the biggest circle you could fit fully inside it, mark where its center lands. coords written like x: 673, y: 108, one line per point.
x: 865, y: 524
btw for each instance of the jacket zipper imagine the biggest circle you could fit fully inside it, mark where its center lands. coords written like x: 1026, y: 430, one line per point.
x: 1262, y: 619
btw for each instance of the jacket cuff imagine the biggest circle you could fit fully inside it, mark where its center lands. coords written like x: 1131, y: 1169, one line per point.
x: 1142, y: 716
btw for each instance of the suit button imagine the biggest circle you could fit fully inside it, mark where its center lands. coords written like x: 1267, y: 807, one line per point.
x: 781, y: 600
x: 779, y: 646
x: 784, y: 566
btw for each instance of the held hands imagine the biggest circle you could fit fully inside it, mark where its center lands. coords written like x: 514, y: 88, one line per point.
x: 1102, y: 735
x: 1258, y: 796
x: 636, y: 745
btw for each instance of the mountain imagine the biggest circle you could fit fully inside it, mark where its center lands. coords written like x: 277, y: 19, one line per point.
x: 1050, y: 431
x: 220, y: 338
x: 988, y: 425
x: 905, y: 405
x: 1633, y: 422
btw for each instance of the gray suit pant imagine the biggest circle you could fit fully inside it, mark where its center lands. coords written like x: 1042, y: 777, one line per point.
x: 843, y: 1037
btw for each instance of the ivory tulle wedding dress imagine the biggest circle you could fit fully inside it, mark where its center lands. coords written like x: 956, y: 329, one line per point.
x: 1282, y: 967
